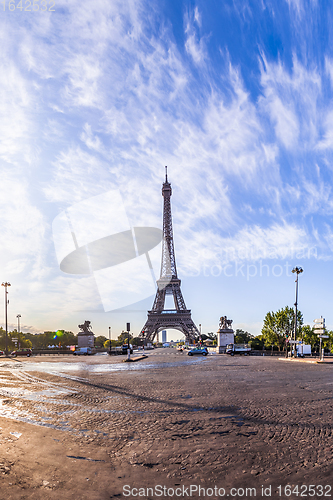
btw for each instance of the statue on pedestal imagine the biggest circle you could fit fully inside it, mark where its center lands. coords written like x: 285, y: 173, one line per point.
x: 86, y: 328
x: 225, y: 324
x: 85, y: 337
x: 225, y: 334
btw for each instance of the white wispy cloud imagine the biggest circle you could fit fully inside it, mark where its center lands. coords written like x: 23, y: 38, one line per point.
x: 291, y: 101
x: 194, y: 44
x: 83, y: 74
x: 250, y: 244
x: 100, y: 97
x: 91, y: 141
x: 77, y: 175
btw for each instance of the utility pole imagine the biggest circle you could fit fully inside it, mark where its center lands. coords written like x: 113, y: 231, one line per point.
x: 6, y: 303
x: 18, y: 328
x: 297, y: 270
x: 128, y: 341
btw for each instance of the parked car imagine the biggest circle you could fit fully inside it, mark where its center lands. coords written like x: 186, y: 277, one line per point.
x: 21, y: 352
x: 198, y: 350
x: 84, y: 351
x: 1, y: 353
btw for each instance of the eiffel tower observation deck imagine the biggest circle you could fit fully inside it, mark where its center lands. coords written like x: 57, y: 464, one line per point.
x: 159, y: 318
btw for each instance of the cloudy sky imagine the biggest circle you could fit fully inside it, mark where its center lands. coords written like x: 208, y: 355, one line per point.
x: 235, y: 96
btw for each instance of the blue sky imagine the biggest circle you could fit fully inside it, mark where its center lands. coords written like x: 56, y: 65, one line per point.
x: 234, y: 96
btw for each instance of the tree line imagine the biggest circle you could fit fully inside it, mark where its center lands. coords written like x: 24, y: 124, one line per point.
x: 60, y: 339
x: 277, y: 328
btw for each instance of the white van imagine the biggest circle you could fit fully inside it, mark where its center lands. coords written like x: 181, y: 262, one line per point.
x: 84, y: 351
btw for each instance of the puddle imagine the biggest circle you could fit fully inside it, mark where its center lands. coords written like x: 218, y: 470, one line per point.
x: 18, y: 392
x: 62, y: 367
x: 84, y: 458
x: 24, y: 397
x: 28, y: 418
x: 16, y: 434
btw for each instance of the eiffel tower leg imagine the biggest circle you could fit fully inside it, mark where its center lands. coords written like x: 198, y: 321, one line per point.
x: 149, y: 331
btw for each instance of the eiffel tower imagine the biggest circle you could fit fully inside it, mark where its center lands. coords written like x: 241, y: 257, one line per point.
x: 168, y: 284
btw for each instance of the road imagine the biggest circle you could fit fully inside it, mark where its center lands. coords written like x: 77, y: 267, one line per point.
x: 84, y: 427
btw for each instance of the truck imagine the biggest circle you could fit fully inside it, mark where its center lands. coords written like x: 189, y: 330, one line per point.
x: 233, y: 349
x: 302, y: 350
x: 84, y: 351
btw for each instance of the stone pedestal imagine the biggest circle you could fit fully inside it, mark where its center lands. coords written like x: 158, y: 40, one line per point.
x: 225, y: 336
x: 84, y: 340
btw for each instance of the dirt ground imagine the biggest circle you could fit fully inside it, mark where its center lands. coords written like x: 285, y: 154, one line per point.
x: 96, y: 428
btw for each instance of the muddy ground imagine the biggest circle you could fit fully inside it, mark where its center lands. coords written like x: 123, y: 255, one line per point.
x: 83, y: 428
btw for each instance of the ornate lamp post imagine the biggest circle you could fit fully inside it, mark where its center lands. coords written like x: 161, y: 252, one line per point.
x: 6, y: 303
x: 297, y: 270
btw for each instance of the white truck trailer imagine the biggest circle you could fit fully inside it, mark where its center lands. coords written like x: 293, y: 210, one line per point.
x: 233, y: 349
x: 302, y: 350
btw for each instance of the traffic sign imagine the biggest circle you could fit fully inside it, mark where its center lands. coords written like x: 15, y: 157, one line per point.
x: 323, y: 336
x: 319, y: 330
x: 295, y: 341
x: 319, y: 320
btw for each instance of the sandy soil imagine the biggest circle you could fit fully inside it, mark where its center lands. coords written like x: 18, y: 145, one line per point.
x: 82, y: 428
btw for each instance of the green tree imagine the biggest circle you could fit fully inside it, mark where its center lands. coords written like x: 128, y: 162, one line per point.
x: 279, y: 325
x: 257, y: 342
x: 309, y: 337
x: 22, y: 341
x: 2, y: 339
x: 328, y: 343
x: 100, y: 341
x: 136, y: 341
x: 242, y: 337
x: 60, y: 337
x: 114, y: 343
x: 123, y: 337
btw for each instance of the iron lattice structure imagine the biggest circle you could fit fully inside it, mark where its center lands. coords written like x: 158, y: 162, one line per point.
x: 159, y: 318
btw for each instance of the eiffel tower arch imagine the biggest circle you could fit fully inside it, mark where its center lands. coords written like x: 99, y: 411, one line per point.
x: 159, y: 318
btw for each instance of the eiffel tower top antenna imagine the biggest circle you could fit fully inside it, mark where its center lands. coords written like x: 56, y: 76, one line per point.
x: 168, y: 263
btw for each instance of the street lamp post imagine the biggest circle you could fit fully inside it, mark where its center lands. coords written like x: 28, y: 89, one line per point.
x: 18, y: 328
x: 297, y: 270
x: 6, y: 303
x: 110, y: 340
x: 128, y: 341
